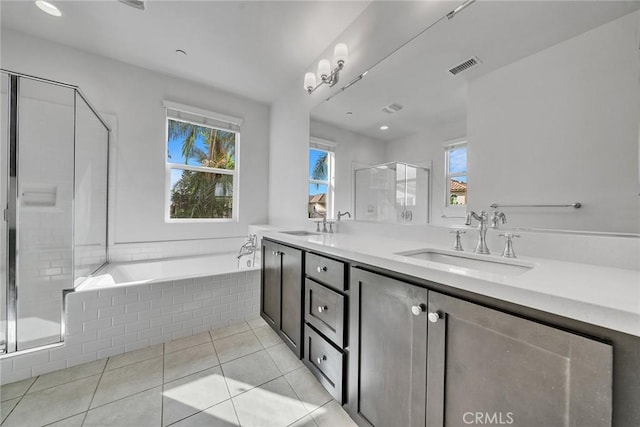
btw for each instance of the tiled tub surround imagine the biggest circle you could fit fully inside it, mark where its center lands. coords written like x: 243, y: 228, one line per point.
x: 237, y: 375
x: 107, y: 321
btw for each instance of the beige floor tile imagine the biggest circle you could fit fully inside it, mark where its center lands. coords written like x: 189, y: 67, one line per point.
x: 131, y: 357
x: 272, y: 404
x: 284, y: 358
x: 267, y: 336
x: 75, y: 421
x: 6, y: 407
x: 305, y: 422
x: 332, y: 415
x: 189, y: 361
x: 227, y: 331
x: 128, y: 380
x: 235, y: 346
x: 186, y: 342
x: 221, y: 415
x: 17, y: 389
x: 257, y: 323
x: 53, y: 404
x: 309, y: 390
x: 191, y: 394
x: 64, y: 376
x: 140, y: 410
x: 250, y: 371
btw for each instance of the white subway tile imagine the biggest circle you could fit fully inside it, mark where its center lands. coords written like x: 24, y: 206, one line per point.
x: 94, y: 346
x: 150, y: 333
x: 127, y: 318
x: 137, y: 307
x: 111, y: 351
x: 111, y: 332
x: 27, y: 361
x: 125, y: 339
x: 48, y: 367
x: 137, y: 345
x: 114, y: 311
x: 137, y: 326
x: 94, y: 325
x: 191, y: 306
x: 152, y: 314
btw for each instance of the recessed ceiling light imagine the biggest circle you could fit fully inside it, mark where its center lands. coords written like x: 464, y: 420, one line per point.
x: 48, y: 8
x: 181, y: 52
x: 384, y: 127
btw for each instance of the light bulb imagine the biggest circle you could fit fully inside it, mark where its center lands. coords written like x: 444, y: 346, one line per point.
x: 309, y: 81
x: 324, y: 68
x: 340, y: 53
x: 48, y: 8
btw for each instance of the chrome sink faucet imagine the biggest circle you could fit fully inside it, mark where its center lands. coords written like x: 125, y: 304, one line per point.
x: 481, y: 246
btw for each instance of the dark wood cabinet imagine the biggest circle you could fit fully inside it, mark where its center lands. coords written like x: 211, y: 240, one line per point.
x: 487, y: 365
x: 281, y: 296
x: 421, y: 358
x: 387, y: 351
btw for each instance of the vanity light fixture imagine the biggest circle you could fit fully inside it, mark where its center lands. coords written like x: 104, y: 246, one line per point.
x: 325, y: 74
x: 47, y: 7
x: 384, y: 127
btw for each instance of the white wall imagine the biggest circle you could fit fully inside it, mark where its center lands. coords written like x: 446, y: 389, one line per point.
x: 379, y: 30
x: 561, y: 126
x: 134, y: 96
x: 352, y: 151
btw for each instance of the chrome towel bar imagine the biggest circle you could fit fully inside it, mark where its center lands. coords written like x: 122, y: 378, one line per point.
x: 576, y: 205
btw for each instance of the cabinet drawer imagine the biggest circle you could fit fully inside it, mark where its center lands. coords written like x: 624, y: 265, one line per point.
x: 326, y: 270
x: 324, y: 309
x: 324, y: 361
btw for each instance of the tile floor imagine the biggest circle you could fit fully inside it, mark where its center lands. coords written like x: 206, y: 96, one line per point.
x: 241, y: 375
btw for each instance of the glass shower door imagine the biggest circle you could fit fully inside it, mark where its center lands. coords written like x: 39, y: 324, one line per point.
x: 44, y: 211
x: 4, y: 126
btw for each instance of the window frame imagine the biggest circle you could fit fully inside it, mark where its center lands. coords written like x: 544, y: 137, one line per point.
x: 235, y: 173
x: 328, y: 147
x: 448, y: 147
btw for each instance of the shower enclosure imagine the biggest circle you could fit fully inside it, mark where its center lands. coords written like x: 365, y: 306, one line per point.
x: 54, y: 172
x: 392, y: 192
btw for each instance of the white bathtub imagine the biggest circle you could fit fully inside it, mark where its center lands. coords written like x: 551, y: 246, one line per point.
x: 168, y: 269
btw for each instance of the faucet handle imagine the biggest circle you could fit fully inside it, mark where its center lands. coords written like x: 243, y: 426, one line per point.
x: 508, y: 245
x: 457, y: 245
x: 496, y: 217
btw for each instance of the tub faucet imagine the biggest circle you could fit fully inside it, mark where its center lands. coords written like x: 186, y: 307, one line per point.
x: 341, y: 214
x: 249, y: 247
x: 481, y: 246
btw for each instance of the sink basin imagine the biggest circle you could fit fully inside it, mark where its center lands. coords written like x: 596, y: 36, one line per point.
x: 473, y: 262
x: 300, y: 233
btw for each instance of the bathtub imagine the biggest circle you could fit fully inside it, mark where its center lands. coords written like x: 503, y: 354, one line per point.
x: 168, y: 269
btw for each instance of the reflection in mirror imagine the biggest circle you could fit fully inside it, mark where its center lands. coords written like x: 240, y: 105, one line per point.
x: 546, y: 94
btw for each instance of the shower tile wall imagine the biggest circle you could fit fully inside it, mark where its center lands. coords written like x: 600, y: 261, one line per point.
x: 103, y: 323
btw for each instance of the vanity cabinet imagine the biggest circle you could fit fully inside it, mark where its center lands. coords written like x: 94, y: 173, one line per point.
x: 419, y: 357
x: 281, y: 292
x: 325, y: 317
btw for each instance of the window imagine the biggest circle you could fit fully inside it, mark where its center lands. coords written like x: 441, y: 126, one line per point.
x: 321, y: 178
x: 202, y: 164
x: 456, y: 168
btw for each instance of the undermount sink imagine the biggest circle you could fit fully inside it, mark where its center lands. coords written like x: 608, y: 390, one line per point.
x: 473, y: 262
x: 300, y: 233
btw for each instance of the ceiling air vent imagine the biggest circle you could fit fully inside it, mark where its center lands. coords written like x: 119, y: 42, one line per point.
x: 392, y: 108
x: 138, y: 4
x: 465, y: 65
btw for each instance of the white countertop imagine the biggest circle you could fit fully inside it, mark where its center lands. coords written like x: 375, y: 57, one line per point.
x: 603, y: 296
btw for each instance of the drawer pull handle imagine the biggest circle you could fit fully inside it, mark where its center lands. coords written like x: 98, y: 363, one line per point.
x: 321, y: 269
x: 417, y: 310
x: 434, y: 316
x: 321, y: 359
x: 322, y: 308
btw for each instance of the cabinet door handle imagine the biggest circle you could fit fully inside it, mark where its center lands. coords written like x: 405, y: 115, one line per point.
x: 321, y: 359
x: 321, y: 269
x: 322, y: 308
x: 274, y: 253
x: 434, y: 316
x: 417, y: 310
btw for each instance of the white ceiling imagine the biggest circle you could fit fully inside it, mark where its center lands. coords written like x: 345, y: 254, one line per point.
x: 417, y: 76
x: 251, y: 48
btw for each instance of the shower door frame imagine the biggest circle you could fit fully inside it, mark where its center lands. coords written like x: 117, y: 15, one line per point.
x: 10, y: 211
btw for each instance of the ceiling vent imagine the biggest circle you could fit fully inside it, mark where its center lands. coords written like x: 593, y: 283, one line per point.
x: 392, y: 108
x: 471, y: 62
x: 138, y: 4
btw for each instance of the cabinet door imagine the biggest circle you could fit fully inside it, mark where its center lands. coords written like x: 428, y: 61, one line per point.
x: 271, y: 267
x: 388, y: 351
x: 291, y: 312
x: 488, y: 367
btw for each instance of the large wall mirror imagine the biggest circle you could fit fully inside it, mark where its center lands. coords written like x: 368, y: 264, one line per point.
x: 532, y: 107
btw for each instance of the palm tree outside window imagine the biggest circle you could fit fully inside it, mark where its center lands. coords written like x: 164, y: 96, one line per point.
x: 201, y: 167
x: 321, y: 180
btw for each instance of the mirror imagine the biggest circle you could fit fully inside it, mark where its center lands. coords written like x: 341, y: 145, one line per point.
x: 546, y: 96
